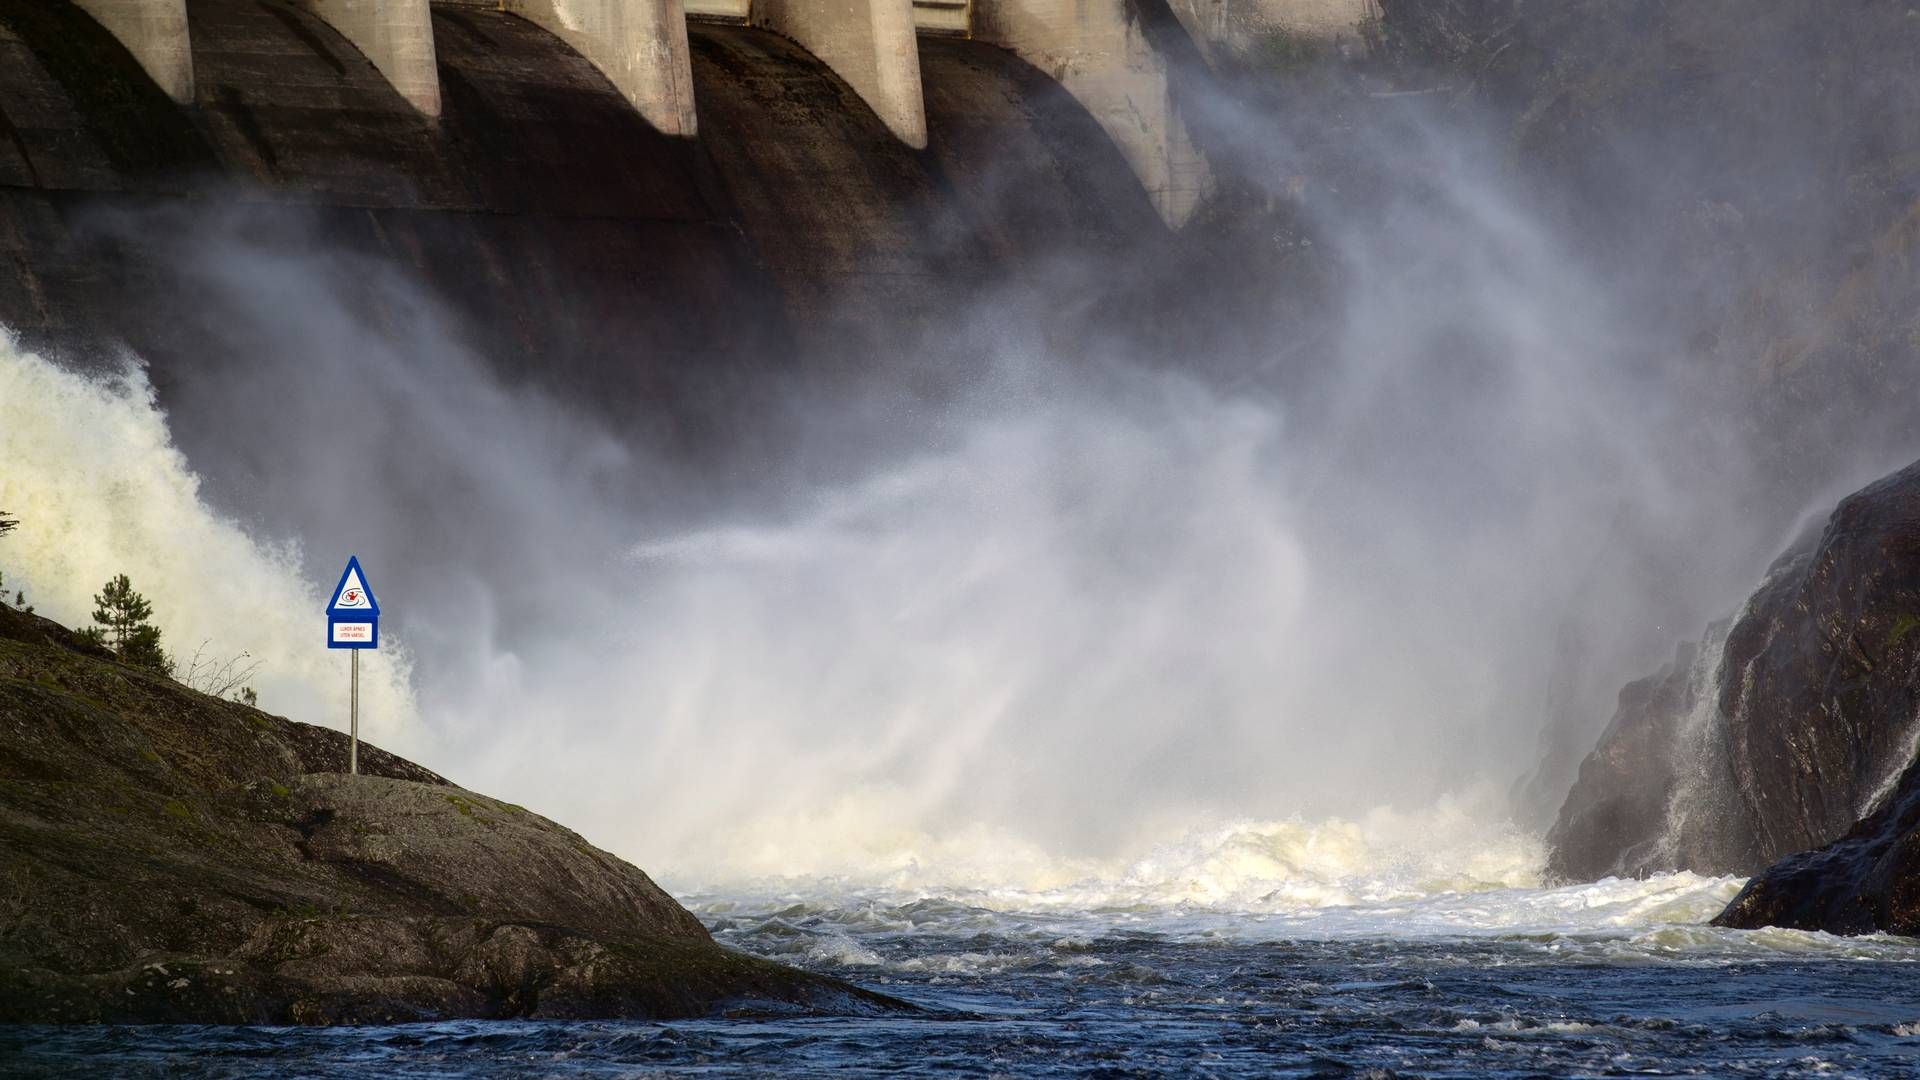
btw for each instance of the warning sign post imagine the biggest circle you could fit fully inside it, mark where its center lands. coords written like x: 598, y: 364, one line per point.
x: 353, y: 622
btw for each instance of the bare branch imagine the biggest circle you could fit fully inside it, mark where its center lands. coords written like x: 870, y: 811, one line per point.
x: 218, y: 677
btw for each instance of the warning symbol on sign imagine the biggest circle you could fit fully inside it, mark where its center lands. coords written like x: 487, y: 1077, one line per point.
x: 353, y: 615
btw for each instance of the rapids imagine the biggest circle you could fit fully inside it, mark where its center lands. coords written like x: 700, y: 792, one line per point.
x: 1610, y: 978
x: 1416, y: 939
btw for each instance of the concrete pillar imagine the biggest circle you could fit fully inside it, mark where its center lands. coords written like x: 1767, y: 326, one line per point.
x: 942, y: 17
x: 397, y: 36
x: 1239, y: 28
x: 155, y: 32
x: 640, y: 45
x: 869, y: 43
x: 1098, y: 50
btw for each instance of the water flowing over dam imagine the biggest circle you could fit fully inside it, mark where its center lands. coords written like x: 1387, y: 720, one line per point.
x: 1094, y: 517
x: 656, y: 354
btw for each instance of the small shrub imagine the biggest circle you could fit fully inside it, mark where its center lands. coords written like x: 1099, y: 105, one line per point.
x: 222, y: 678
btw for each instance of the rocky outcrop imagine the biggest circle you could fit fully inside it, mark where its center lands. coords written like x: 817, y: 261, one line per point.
x: 168, y: 856
x: 1801, y: 722
x: 1616, y: 815
x: 1861, y: 619
x: 1866, y: 881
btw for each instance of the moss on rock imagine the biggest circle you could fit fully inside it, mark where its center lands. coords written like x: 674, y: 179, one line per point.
x: 258, y: 884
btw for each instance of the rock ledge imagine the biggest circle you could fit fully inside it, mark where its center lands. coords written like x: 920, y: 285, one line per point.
x: 170, y: 857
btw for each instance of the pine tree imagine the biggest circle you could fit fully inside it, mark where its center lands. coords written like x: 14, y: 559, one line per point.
x: 6, y: 526
x: 122, y: 615
x: 143, y: 650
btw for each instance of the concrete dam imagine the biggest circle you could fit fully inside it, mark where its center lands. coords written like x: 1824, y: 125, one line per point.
x: 622, y: 195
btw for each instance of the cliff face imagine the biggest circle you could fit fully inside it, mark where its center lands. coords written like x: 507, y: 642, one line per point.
x: 1866, y: 881
x: 1802, y: 719
x: 1615, y: 818
x: 166, y: 856
x: 1856, y: 629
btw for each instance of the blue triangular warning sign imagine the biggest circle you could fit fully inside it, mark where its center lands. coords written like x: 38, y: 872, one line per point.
x: 353, y: 596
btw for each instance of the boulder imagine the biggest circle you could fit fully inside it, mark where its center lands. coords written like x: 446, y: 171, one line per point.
x: 1866, y: 881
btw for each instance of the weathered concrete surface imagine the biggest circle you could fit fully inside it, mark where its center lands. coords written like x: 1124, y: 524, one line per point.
x: 869, y: 43
x: 79, y: 113
x: 1104, y: 52
x: 1033, y: 172
x: 155, y: 32
x: 1321, y: 18
x: 1244, y: 28
x: 166, y: 856
x: 943, y: 16
x: 641, y: 45
x: 397, y: 36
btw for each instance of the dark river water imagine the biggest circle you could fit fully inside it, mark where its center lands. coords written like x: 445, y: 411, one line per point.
x: 1613, y: 979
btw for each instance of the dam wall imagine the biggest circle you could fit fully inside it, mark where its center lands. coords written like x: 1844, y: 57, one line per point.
x: 869, y: 43
x: 397, y: 37
x: 1116, y: 57
x: 641, y: 45
x: 155, y: 33
x: 584, y: 248
x: 1245, y: 29
x: 1101, y: 52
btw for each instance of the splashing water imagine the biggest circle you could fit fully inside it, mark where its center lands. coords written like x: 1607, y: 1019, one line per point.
x: 1406, y: 939
x: 892, y: 745
x: 100, y: 489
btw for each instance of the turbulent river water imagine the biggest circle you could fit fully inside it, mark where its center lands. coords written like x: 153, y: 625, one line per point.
x: 1181, y: 970
x: 1421, y: 944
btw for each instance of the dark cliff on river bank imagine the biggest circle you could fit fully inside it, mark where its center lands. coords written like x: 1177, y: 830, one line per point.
x: 166, y: 856
x: 1784, y: 744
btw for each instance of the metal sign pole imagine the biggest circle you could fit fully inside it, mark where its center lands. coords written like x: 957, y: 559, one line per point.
x: 353, y: 623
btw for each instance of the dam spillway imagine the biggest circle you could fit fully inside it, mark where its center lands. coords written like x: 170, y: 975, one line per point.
x: 796, y: 213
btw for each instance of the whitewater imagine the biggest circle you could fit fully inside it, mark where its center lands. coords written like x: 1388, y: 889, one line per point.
x: 1404, y: 939
x: 1194, y: 969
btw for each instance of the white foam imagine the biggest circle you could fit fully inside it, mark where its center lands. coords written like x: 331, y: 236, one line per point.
x: 1445, y: 872
x: 100, y: 489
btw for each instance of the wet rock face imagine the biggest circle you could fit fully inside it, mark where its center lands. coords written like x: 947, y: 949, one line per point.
x: 1866, y: 881
x: 1789, y: 732
x: 1822, y: 676
x: 166, y: 856
x: 1616, y: 814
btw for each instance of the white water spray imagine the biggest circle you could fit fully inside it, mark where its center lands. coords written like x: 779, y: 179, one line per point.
x: 91, y: 471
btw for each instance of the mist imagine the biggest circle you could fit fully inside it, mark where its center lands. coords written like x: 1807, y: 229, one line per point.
x: 1031, y: 604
